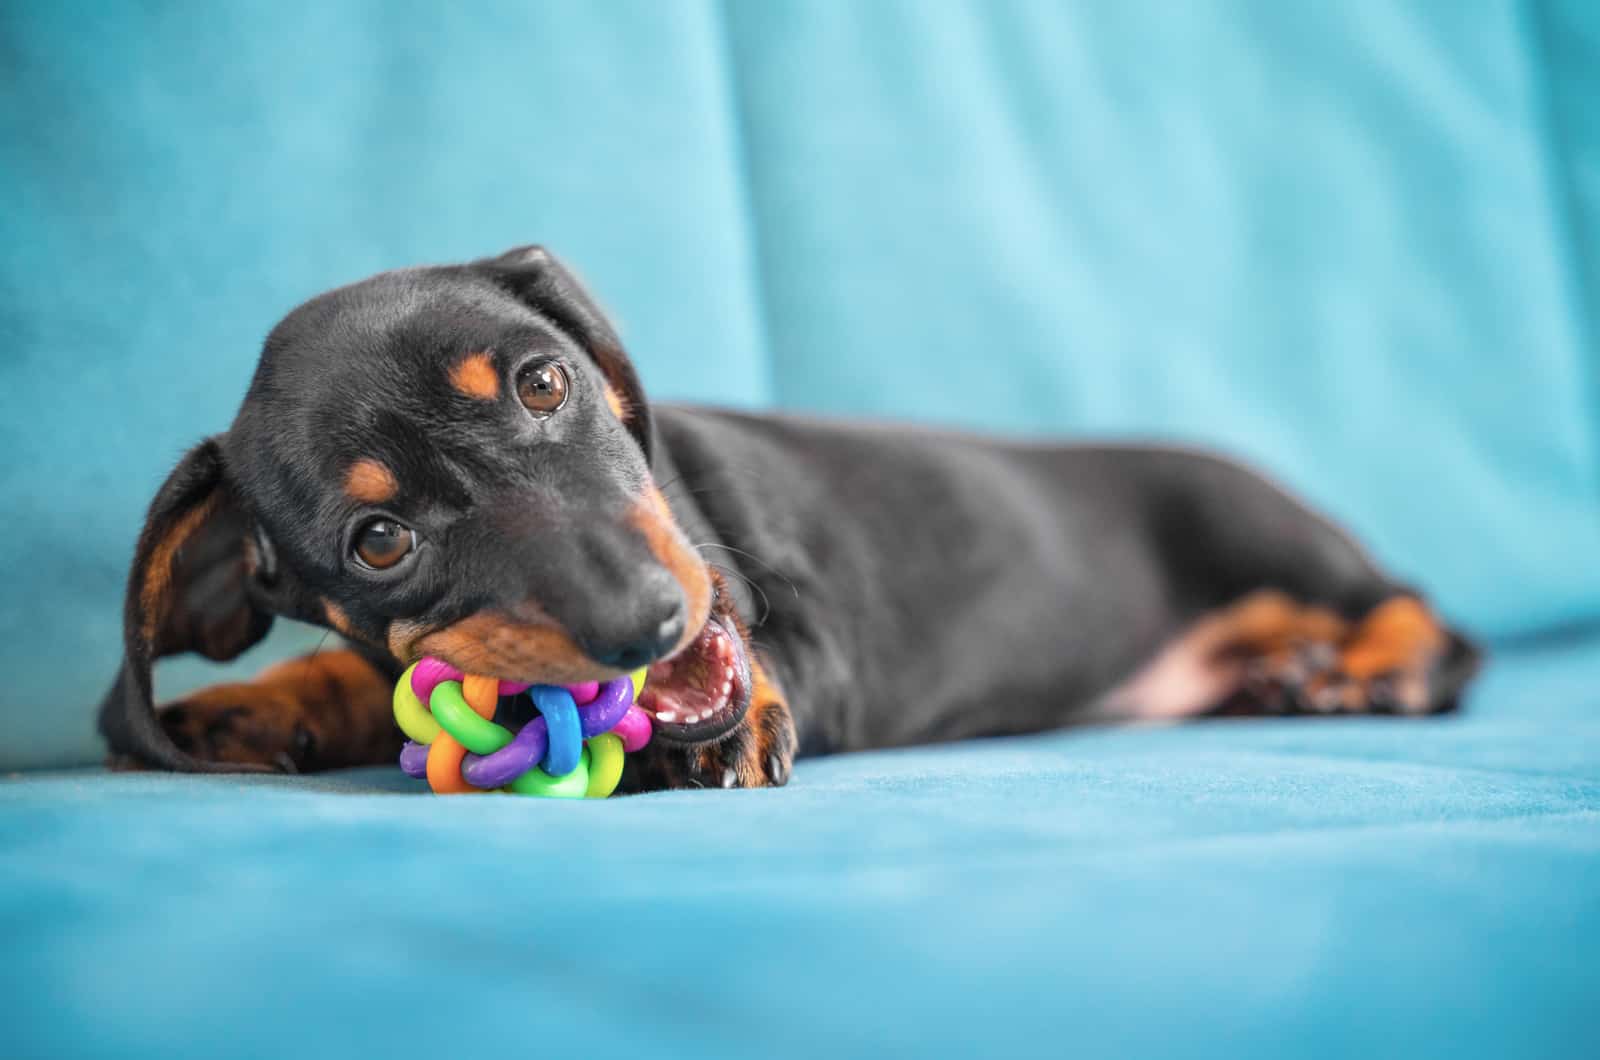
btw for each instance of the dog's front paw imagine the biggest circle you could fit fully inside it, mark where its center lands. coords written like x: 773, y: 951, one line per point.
x: 242, y: 724
x: 323, y: 711
x: 758, y: 753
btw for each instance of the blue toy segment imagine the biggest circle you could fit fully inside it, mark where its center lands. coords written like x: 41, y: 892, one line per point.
x: 565, y: 734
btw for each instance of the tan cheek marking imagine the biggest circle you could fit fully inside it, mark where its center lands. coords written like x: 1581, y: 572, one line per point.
x: 402, y: 640
x: 617, y: 403
x: 338, y: 619
x: 370, y: 482
x: 653, y: 518
x: 494, y: 644
x: 474, y: 376
x: 155, y: 594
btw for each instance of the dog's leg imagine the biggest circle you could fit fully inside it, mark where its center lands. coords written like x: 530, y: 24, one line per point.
x: 758, y: 753
x: 1397, y: 658
x: 321, y: 711
x: 1287, y: 614
x: 1268, y: 654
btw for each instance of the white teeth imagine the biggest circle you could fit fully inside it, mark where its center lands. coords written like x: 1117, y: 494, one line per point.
x: 666, y: 715
x: 690, y: 719
x: 727, y: 688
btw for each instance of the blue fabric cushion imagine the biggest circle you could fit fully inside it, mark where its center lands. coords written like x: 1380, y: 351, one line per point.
x: 1334, y: 239
x: 1250, y: 889
x: 1357, y: 244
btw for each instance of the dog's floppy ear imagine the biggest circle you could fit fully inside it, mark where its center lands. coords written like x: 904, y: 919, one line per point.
x: 189, y: 590
x: 541, y: 282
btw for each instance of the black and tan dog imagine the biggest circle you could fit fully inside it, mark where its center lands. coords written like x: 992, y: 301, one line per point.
x: 459, y: 461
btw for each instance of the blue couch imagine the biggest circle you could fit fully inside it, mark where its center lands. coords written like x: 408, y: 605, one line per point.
x: 1358, y: 244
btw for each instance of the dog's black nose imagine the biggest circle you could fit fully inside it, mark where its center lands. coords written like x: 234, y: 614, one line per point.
x: 631, y: 651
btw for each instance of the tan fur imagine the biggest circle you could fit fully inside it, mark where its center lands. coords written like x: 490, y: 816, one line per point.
x: 769, y: 708
x: 1396, y: 632
x: 653, y: 518
x: 1202, y: 666
x: 475, y: 377
x: 338, y: 619
x: 616, y: 403
x: 506, y: 647
x: 155, y: 595
x: 335, y: 696
x: 370, y: 482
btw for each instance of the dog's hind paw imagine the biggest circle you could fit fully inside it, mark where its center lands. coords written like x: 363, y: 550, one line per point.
x: 1392, y: 662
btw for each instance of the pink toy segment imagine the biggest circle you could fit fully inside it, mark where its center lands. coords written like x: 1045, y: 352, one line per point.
x: 634, y: 729
x: 428, y: 673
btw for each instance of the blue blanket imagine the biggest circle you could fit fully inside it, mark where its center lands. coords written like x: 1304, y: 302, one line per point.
x: 1241, y: 889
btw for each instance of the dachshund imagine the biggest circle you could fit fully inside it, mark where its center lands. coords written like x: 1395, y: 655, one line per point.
x: 459, y: 461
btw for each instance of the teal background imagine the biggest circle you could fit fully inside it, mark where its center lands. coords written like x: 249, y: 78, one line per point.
x: 1357, y: 243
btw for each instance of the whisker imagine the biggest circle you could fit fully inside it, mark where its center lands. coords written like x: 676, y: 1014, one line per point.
x: 669, y: 483
x: 305, y: 671
x: 752, y: 556
x: 766, y: 602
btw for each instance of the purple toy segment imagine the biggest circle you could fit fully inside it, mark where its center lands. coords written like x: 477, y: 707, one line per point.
x: 414, y: 759
x: 603, y: 710
x: 525, y: 751
x: 633, y: 729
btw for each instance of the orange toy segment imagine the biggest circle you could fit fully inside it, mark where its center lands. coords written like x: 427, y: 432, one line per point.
x: 444, y: 767
x: 482, y: 694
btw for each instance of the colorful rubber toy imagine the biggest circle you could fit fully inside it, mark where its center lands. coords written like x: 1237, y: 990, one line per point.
x: 572, y: 749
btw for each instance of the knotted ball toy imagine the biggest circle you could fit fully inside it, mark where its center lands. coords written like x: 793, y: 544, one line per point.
x: 572, y: 749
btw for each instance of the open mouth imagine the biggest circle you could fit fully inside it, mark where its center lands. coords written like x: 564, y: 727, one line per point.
x: 701, y: 692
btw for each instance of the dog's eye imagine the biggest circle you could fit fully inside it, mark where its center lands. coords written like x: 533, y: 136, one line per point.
x: 382, y: 543
x: 542, y: 388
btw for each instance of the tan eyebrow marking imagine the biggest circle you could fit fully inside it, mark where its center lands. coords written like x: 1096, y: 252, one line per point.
x: 617, y: 403
x: 369, y: 482
x: 474, y: 376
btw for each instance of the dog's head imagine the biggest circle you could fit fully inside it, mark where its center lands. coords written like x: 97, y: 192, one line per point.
x: 450, y: 461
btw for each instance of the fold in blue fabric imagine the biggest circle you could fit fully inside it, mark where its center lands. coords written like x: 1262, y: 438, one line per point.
x: 1242, y: 889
